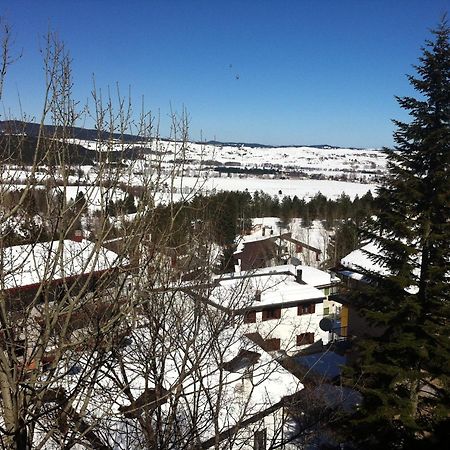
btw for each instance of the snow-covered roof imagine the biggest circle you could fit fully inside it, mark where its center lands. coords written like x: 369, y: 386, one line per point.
x: 273, y: 289
x: 312, y: 237
x: 25, y: 265
x: 269, y: 383
x: 250, y: 238
x: 310, y: 275
x: 360, y: 259
x: 314, y: 276
x: 224, y: 396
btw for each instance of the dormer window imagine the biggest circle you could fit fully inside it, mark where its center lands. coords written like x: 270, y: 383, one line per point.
x: 248, y: 374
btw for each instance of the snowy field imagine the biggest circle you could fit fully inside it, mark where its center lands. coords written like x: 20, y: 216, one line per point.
x: 185, y: 188
x: 295, y: 158
x: 178, y: 172
x: 301, y: 188
x: 330, y: 161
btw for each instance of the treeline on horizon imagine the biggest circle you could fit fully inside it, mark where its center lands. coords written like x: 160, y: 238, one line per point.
x: 217, y: 218
x: 222, y: 216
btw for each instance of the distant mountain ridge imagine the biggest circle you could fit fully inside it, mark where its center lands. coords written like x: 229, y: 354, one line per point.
x: 32, y: 129
x: 21, y: 145
x: 256, y: 145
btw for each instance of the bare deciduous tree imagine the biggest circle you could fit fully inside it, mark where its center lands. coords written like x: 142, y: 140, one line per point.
x: 103, y: 341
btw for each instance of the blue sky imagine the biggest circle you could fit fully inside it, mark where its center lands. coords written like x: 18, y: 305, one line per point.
x: 274, y: 72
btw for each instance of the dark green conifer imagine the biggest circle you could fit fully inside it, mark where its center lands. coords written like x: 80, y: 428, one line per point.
x: 404, y: 373
x: 129, y: 205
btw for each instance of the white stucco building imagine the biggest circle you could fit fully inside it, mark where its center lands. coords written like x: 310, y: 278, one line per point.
x: 284, y: 304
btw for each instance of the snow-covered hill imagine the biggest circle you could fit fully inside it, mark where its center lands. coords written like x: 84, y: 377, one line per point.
x: 179, y: 170
x: 344, y: 163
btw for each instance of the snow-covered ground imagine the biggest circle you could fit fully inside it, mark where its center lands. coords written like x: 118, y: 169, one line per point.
x: 360, y: 163
x: 301, y: 188
x: 292, y: 158
x: 177, y: 171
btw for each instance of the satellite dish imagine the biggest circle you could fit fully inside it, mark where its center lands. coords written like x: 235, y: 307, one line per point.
x: 295, y: 261
x: 326, y: 324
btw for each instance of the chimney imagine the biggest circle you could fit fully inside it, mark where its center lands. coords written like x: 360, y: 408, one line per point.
x: 298, y: 276
x: 258, y: 295
x: 78, y: 236
x: 263, y: 231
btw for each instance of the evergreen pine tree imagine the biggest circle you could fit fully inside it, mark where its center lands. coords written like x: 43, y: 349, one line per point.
x: 343, y: 241
x: 404, y: 374
x: 129, y: 205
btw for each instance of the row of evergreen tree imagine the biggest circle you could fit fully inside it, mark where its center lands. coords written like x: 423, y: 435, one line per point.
x: 229, y: 213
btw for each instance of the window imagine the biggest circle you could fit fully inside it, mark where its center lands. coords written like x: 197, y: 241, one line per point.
x: 271, y: 345
x: 260, y: 440
x: 305, y: 339
x: 250, y: 317
x: 306, y: 308
x: 274, y: 313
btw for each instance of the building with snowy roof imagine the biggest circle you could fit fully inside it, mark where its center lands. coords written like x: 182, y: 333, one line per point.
x: 356, y: 268
x: 284, y: 304
x: 48, y: 270
x: 257, y: 251
x: 219, y: 389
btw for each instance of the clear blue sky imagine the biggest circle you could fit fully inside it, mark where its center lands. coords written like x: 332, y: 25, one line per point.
x: 310, y: 71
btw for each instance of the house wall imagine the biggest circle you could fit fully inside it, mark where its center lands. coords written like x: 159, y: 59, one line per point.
x: 21, y: 297
x: 256, y: 255
x: 274, y: 427
x: 306, y: 256
x: 289, y: 326
x: 331, y: 307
